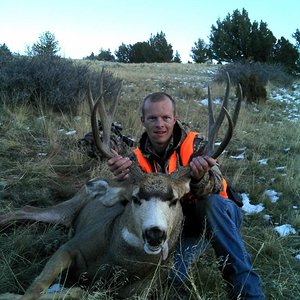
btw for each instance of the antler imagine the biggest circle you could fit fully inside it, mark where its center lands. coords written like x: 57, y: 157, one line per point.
x: 214, y: 125
x: 106, y: 118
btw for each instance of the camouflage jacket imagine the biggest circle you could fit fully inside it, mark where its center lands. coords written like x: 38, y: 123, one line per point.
x: 212, y: 180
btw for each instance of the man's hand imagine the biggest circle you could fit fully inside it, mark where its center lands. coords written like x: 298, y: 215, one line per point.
x: 119, y: 166
x: 200, y: 165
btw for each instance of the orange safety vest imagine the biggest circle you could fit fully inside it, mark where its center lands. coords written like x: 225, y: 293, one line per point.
x: 186, y: 151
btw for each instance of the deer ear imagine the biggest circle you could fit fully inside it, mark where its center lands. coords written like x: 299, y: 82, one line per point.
x: 181, y: 180
x: 113, y: 196
x: 100, y: 190
x: 183, y: 186
x: 96, y: 187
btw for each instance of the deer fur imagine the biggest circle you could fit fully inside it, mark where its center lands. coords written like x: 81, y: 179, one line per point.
x: 133, y: 225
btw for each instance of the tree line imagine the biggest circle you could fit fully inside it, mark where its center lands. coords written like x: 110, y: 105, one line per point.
x: 235, y: 38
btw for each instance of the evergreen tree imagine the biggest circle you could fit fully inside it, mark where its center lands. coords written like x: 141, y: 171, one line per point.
x: 91, y: 57
x: 4, y: 52
x: 235, y: 38
x: 141, y: 52
x: 156, y: 49
x: 123, y: 53
x: 105, y: 55
x: 46, y: 45
x: 176, y: 58
x: 286, y: 54
x: 262, y: 42
x: 230, y: 39
x: 200, y: 52
x: 296, y: 36
x: 162, y: 51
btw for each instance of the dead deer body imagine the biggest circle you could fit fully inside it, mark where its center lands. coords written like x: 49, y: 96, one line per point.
x: 133, y: 225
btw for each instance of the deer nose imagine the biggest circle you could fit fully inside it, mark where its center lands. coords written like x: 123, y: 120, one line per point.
x: 155, y: 236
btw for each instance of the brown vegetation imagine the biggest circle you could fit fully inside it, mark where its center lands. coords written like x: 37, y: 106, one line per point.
x: 41, y: 165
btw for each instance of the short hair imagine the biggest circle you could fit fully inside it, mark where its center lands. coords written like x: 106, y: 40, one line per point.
x: 157, y: 97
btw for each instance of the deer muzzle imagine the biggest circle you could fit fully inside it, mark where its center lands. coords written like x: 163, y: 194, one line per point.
x: 155, y: 241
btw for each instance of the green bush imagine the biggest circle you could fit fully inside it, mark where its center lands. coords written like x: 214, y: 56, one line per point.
x: 253, y: 78
x: 53, y: 81
x: 264, y: 72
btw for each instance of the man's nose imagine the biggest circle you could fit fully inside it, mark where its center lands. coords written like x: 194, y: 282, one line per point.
x: 159, y: 122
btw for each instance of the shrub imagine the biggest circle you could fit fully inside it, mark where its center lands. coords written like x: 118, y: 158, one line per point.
x: 264, y: 72
x: 253, y: 77
x: 59, y: 83
x: 253, y: 89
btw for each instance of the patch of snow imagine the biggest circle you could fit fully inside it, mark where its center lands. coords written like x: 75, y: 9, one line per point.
x: 280, y: 168
x: 242, y: 149
x: 240, y: 156
x: 71, y: 132
x: 205, y: 102
x: 249, y: 208
x: 272, y: 195
x: 285, y: 229
x: 42, y: 154
x: 263, y: 161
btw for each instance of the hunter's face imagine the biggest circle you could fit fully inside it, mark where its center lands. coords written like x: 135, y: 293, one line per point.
x: 158, y: 120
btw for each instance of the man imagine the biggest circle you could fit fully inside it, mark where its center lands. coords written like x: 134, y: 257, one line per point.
x: 164, y: 146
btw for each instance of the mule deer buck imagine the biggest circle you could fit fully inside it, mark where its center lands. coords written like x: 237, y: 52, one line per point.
x: 133, y: 225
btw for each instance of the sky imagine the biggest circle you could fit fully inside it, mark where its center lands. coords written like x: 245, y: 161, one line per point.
x: 85, y: 26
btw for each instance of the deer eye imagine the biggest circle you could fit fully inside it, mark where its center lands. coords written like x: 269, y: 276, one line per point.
x: 173, y: 202
x: 136, y: 200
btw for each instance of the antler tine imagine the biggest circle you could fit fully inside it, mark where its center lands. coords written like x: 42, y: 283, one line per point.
x: 224, y: 104
x: 227, y: 138
x: 211, y: 118
x: 91, y: 100
x: 106, y: 120
x: 238, y: 105
x: 103, y: 148
x: 213, y: 126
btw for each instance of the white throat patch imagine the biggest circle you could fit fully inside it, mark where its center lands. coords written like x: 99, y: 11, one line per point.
x: 131, y: 238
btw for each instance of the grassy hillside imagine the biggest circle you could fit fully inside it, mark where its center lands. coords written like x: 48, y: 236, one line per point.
x: 41, y: 164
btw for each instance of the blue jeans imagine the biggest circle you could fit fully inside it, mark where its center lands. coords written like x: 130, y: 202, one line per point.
x: 222, y: 219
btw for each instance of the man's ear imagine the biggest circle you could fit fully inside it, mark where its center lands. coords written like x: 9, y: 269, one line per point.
x: 142, y: 119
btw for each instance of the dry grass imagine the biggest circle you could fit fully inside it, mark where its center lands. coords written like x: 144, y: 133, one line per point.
x: 41, y: 165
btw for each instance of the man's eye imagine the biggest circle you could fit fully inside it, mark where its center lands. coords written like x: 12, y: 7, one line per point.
x: 151, y: 119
